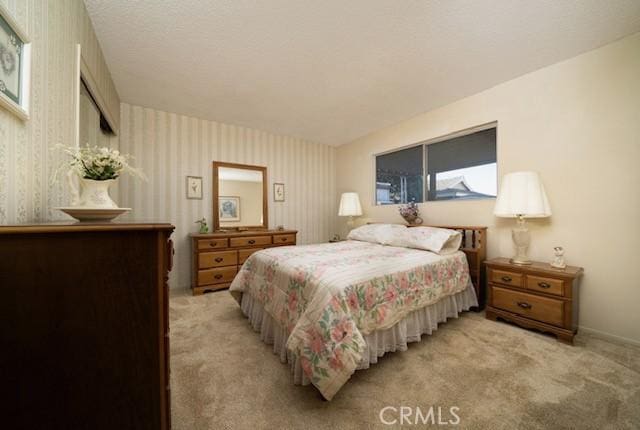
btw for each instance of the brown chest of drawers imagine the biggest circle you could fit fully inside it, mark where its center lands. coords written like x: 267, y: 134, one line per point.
x: 85, y: 329
x: 217, y: 257
x: 534, y: 296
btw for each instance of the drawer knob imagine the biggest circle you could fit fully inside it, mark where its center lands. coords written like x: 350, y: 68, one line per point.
x: 524, y: 305
x: 213, y: 244
x: 506, y: 278
x: 284, y: 239
x: 543, y: 285
x: 251, y: 242
x: 219, y: 259
x: 218, y: 276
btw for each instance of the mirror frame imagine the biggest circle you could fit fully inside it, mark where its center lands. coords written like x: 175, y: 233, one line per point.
x: 216, y: 194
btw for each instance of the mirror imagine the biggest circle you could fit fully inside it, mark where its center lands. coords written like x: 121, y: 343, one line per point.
x: 239, y: 196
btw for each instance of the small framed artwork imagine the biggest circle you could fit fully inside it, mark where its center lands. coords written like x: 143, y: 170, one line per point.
x: 229, y: 208
x: 278, y: 192
x: 15, y: 66
x: 194, y: 187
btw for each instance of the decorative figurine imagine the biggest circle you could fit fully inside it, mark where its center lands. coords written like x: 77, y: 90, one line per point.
x: 204, y: 228
x: 558, y: 260
x: 280, y: 228
x: 336, y: 238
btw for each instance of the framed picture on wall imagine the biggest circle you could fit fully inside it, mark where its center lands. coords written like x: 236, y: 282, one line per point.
x: 194, y: 187
x: 278, y: 192
x: 229, y: 208
x: 15, y: 66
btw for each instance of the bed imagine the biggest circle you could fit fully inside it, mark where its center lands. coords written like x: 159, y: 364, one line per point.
x: 330, y: 309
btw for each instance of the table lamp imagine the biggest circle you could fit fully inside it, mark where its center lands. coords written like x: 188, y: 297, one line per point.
x: 521, y: 196
x: 350, y: 206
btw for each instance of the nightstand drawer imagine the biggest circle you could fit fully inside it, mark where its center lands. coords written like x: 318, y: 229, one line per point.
x: 545, y: 285
x: 217, y: 259
x: 213, y: 243
x: 506, y: 278
x: 250, y: 241
x: 217, y: 276
x: 539, y: 308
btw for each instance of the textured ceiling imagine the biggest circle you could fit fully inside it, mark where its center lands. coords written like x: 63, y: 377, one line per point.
x: 333, y: 70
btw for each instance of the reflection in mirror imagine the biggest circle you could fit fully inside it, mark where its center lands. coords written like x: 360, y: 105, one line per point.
x: 94, y: 129
x: 240, y: 197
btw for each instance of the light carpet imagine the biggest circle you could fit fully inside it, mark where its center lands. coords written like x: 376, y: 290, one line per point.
x: 499, y: 376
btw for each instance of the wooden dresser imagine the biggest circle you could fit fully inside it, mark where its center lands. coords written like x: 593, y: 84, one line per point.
x: 217, y: 257
x: 85, y: 328
x: 534, y: 296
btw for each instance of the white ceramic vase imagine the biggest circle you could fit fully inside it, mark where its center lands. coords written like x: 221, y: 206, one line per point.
x: 92, y: 194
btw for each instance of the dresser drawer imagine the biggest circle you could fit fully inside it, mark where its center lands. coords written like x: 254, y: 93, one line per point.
x: 217, y: 259
x: 545, y: 285
x: 243, y: 254
x: 507, y: 278
x: 217, y: 276
x: 213, y: 243
x: 539, y: 308
x: 250, y: 241
x: 284, y: 238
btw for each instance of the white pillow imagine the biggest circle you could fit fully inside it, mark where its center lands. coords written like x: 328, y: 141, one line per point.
x: 439, y: 240
x: 393, y: 235
x: 385, y: 234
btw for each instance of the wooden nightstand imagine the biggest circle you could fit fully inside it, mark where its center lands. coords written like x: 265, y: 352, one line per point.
x: 534, y: 296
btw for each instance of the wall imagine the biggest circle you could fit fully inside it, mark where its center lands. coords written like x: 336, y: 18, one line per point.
x: 578, y: 124
x: 26, y: 159
x: 169, y: 147
x: 250, y: 194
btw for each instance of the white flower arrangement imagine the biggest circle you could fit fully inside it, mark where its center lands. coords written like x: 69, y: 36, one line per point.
x: 98, y: 164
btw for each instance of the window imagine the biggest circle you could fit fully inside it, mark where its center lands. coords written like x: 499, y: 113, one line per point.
x: 400, y: 176
x: 94, y: 128
x: 460, y: 167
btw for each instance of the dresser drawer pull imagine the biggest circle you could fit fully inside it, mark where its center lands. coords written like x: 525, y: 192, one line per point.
x: 524, y: 305
x: 506, y: 278
x: 543, y: 285
x: 219, y: 259
x: 213, y: 244
x: 218, y: 276
x: 284, y: 239
x: 251, y: 242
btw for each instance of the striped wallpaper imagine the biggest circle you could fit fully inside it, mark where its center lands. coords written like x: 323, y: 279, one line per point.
x: 169, y: 147
x: 26, y: 159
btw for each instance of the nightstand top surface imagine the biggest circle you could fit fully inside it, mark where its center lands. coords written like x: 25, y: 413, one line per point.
x: 537, y: 266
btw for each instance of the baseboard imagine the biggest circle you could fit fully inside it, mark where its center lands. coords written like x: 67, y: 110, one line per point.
x: 608, y: 336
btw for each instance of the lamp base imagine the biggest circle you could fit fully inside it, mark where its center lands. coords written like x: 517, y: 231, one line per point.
x: 515, y: 260
x: 521, y: 238
x: 350, y: 224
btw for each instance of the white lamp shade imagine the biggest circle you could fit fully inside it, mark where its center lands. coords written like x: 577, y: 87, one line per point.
x: 350, y: 205
x: 522, y: 193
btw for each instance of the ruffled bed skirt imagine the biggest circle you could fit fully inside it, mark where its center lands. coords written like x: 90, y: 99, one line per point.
x: 396, y: 338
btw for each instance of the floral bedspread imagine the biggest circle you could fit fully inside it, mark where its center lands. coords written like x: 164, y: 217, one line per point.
x: 329, y: 296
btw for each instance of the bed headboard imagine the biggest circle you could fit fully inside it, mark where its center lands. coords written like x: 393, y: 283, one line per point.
x: 474, y: 245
